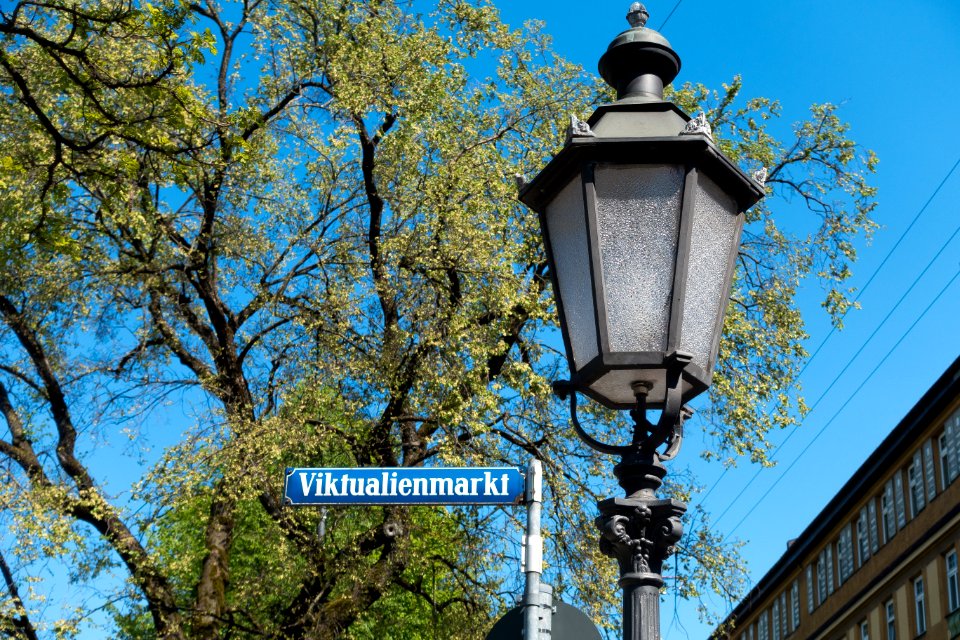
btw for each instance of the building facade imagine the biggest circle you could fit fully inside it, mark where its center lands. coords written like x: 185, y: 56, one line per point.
x: 880, y: 562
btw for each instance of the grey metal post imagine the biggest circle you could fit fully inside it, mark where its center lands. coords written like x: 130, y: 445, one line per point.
x: 533, y: 552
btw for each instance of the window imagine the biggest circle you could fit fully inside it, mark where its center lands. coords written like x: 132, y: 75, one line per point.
x: 845, y: 554
x: 944, y: 461
x: 784, y: 615
x: 953, y: 587
x: 864, y: 630
x: 829, y: 551
x: 821, y: 578
x: 915, y: 482
x: 948, y: 449
x: 929, y: 475
x: 872, y: 525
x: 919, y: 607
x: 863, y: 538
x: 776, y: 619
x: 762, y: 627
x: 795, y: 605
x: 891, y: 621
x: 749, y: 634
x: 810, y: 604
x: 886, y: 512
x: 899, y: 500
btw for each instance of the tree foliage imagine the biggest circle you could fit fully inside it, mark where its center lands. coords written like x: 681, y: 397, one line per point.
x: 269, y: 233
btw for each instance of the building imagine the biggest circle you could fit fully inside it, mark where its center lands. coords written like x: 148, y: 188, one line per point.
x: 880, y: 561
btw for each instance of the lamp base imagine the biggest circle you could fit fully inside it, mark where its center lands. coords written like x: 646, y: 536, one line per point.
x: 640, y: 531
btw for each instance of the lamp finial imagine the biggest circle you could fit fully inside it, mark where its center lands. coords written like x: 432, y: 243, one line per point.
x: 638, y: 15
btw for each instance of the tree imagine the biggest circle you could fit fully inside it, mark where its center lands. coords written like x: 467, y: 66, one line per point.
x: 294, y: 225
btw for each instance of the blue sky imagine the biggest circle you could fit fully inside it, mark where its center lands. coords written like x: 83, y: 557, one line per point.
x: 895, y: 69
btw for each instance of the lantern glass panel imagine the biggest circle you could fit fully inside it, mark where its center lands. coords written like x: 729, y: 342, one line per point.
x: 714, y: 238
x: 567, y: 231
x: 638, y: 221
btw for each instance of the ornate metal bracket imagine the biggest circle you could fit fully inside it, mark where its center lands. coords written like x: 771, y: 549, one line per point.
x: 647, y: 437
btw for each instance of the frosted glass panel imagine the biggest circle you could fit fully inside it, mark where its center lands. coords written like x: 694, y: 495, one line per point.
x: 715, y: 229
x: 638, y: 216
x: 566, y: 224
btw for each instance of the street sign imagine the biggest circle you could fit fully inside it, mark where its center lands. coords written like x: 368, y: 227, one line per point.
x: 401, y: 485
x: 568, y: 623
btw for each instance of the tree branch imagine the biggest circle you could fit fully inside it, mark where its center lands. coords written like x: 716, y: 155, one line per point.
x: 21, y: 621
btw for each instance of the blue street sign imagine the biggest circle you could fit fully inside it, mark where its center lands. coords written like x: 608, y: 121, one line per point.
x: 421, y: 485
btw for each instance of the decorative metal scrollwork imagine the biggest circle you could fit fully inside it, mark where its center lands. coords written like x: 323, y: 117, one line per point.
x: 647, y: 437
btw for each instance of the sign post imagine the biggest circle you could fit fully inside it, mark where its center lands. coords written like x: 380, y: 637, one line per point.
x: 533, y: 552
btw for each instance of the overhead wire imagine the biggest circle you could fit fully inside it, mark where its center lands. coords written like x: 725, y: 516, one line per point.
x: 852, y: 359
x: 883, y: 262
x: 833, y: 329
x: 669, y: 15
x: 849, y: 399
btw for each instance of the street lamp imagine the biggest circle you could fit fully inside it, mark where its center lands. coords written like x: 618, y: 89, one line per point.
x: 641, y: 216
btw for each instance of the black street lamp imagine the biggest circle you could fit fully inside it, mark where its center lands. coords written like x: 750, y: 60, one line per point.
x: 641, y: 216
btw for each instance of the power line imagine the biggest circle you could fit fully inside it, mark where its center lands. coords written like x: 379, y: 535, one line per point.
x: 834, y: 328
x: 669, y: 15
x: 853, y: 359
x: 850, y: 398
x: 883, y: 262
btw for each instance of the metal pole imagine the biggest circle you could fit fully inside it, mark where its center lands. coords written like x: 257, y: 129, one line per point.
x: 640, y: 530
x: 533, y: 552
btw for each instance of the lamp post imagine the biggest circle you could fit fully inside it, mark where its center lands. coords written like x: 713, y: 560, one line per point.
x: 641, y: 216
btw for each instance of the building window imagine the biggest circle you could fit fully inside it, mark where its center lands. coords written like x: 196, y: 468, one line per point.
x: 821, y: 578
x: 948, y: 449
x: 762, y: 627
x: 845, y: 554
x: 776, y: 619
x: 784, y: 614
x: 899, y: 500
x: 829, y: 551
x: 886, y: 512
x: 795, y: 605
x: 810, y: 604
x: 863, y: 540
x: 944, y: 461
x: 953, y: 587
x: 930, y: 474
x: 919, y: 607
x: 872, y: 525
x: 891, y: 621
x: 864, y: 630
x: 749, y: 634
x: 915, y: 482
